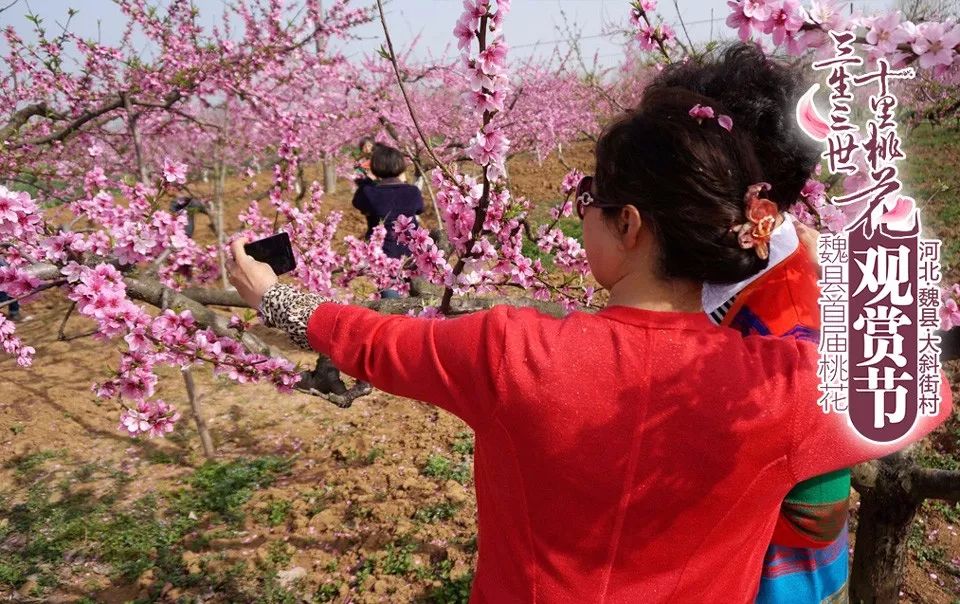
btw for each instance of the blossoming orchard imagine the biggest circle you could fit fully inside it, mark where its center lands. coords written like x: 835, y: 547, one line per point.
x: 102, y: 141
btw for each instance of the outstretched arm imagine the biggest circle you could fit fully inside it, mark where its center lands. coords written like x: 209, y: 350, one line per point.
x: 452, y: 363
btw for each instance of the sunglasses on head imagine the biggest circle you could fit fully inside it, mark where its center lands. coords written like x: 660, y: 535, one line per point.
x: 585, y: 197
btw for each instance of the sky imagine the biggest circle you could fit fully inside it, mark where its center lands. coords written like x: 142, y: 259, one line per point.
x: 533, y: 28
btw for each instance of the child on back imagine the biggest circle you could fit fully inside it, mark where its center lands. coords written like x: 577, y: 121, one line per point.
x: 639, y: 454
x: 807, y: 560
x: 383, y: 200
x: 361, y: 160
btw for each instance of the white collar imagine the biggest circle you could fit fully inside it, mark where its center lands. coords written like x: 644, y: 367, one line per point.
x: 783, y: 242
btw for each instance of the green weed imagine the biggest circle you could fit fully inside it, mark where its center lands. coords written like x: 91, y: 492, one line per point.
x: 436, y: 513
x: 464, y: 444
x: 399, y: 558
x: 439, y: 466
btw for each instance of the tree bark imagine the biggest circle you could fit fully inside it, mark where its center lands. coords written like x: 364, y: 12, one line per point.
x: 21, y: 117
x: 949, y: 344
x: 205, y: 440
x: 137, y: 140
x: 887, y: 510
x: 929, y: 483
x: 221, y: 175
x: 329, y: 176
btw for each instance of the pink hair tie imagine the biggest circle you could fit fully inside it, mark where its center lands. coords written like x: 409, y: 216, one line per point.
x: 704, y: 112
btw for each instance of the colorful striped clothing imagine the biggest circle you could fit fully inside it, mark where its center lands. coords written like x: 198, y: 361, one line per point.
x: 807, y: 561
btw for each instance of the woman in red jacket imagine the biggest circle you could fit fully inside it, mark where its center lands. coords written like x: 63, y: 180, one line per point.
x: 639, y: 454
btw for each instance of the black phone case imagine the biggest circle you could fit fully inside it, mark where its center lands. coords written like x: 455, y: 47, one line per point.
x: 275, y: 251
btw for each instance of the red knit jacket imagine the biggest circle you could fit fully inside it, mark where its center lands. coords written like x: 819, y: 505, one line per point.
x: 627, y: 456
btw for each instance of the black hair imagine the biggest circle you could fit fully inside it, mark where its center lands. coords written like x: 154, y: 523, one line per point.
x: 386, y: 162
x: 761, y: 95
x: 687, y: 178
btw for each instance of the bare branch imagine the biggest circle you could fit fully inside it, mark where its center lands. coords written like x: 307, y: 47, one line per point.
x: 393, y: 306
x: 325, y: 381
x: 74, y: 125
x: 206, y: 441
x: 78, y: 122
x: 23, y: 116
x: 917, y: 482
x: 683, y: 25
x: 9, y: 5
x: 928, y: 483
x: 406, y: 99
x: 63, y: 324
x: 135, y: 135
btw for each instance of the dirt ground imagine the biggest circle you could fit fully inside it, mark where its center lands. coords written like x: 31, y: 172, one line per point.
x: 305, y: 503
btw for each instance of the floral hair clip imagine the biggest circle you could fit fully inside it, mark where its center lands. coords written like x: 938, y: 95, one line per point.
x: 703, y: 112
x: 761, y: 220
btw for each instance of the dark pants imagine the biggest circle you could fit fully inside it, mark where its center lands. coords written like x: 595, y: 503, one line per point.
x: 13, y: 308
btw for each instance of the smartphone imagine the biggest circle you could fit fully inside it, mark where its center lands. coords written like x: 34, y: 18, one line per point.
x: 275, y: 251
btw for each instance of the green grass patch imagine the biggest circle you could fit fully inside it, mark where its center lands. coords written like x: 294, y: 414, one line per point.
x: 53, y: 525
x: 222, y: 488
x: 363, y: 572
x: 279, y: 554
x: 934, y: 459
x: 443, y: 468
x: 436, y: 513
x: 318, y: 499
x: 949, y: 511
x: 464, y: 444
x: 28, y: 465
x: 451, y: 590
x: 929, y: 172
x: 921, y: 547
x: 374, y: 454
x: 277, y: 512
x: 328, y: 592
x: 398, y: 559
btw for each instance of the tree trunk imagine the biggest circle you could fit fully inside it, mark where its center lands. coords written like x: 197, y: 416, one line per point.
x: 329, y: 176
x: 205, y: 440
x: 220, y: 175
x: 327, y: 165
x: 887, y: 510
x: 132, y: 118
x: 426, y: 184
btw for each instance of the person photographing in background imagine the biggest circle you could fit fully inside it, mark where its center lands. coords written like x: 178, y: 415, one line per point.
x: 383, y: 200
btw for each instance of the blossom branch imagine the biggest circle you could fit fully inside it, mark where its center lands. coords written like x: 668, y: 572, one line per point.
x: 74, y: 126
x: 406, y: 98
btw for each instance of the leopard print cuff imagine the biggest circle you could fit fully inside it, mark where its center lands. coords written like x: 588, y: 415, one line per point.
x: 289, y: 309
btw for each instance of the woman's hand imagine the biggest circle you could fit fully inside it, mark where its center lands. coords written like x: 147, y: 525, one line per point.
x: 251, y: 278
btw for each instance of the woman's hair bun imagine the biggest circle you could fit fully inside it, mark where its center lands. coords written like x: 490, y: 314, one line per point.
x: 688, y: 178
